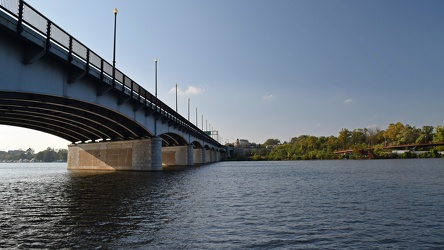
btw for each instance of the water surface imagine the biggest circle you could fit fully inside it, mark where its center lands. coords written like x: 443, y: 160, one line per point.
x: 230, y: 205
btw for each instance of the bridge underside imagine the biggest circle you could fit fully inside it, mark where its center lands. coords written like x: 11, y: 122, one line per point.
x: 72, y: 120
x: 102, y: 139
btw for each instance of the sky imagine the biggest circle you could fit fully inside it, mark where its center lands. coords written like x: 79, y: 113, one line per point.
x: 260, y: 69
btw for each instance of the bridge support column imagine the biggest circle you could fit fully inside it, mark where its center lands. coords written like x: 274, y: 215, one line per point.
x: 134, y: 155
x: 178, y: 155
x: 197, y: 156
x: 190, y: 155
x: 156, y: 152
x: 210, y: 154
x: 204, y: 155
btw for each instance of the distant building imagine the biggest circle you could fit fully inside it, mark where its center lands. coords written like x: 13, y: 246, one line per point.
x: 242, y: 143
x: 243, y: 147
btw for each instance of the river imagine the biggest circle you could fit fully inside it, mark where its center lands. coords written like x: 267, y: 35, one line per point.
x: 368, y: 204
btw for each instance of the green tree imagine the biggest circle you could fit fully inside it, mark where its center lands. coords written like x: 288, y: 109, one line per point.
x: 439, y: 134
x: 427, y: 134
x: 272, y: 142
x: 344, y: 138
x: 62, y: 154
x: 393, y: 132
x: 30, y: 153
x: 372, y: 135
x: 332, y: 143
x: 408, y: 135
x: 47, y: 155
x: 358, y: 136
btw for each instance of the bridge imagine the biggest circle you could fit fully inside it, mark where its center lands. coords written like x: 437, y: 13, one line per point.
x: 399, y: 147
x: 51, y: 82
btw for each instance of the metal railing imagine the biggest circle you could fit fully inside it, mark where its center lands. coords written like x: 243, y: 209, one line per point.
x: 29, y: 17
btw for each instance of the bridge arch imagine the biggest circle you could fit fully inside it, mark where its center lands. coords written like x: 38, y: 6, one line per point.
x: 197, y: 144
x: 70, y: 119
x: 172, y: 139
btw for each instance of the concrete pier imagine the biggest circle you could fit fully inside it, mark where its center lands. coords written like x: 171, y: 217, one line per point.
x: 178, y: 155
x: 190, y: 155
x: 134, y: 155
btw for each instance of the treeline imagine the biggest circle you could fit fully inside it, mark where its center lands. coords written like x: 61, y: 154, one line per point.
x: 365, y: 142
x: 29, y: 155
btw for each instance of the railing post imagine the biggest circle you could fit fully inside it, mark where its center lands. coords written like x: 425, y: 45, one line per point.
x: 48, y: 35
x: 132, y: 89
x: 20, y: 18
x: 101, y: 69
x: 70, y: 49
x: 87, y: 60
x: 114, y: 77
x: 123, y: 83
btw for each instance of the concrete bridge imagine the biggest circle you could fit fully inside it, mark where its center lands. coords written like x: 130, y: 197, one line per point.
x: 51, y: 82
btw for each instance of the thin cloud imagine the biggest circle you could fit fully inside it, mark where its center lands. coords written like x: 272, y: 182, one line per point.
x: 191, y: 90
x: 267, y: 97
x: 348, y: 101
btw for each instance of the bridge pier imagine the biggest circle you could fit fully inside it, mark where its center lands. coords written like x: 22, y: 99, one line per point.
x: 178, y: 155
x: 204, y: 155
x: 210, y: 155
x: 197, y: 156
x: 133, y: 155
x: 190, y: 154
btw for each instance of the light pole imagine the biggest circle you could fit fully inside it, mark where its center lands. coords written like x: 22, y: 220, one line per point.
x: 114, y: 53
x: 176, y: 97
x: 188, y: 109
x: 155, y: 75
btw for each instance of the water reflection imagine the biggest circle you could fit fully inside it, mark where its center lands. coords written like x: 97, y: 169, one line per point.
x: 105, y: 208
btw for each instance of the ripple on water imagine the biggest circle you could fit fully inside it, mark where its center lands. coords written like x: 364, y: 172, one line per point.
x: 283, y: 205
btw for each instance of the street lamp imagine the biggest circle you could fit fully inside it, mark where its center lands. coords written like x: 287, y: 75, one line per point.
x: 155, y: 74
x: 176, y: 97
x: 188, y: 109
x: 114, y: 54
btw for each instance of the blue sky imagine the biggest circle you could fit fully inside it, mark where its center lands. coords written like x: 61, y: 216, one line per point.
x: 259, y: 69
